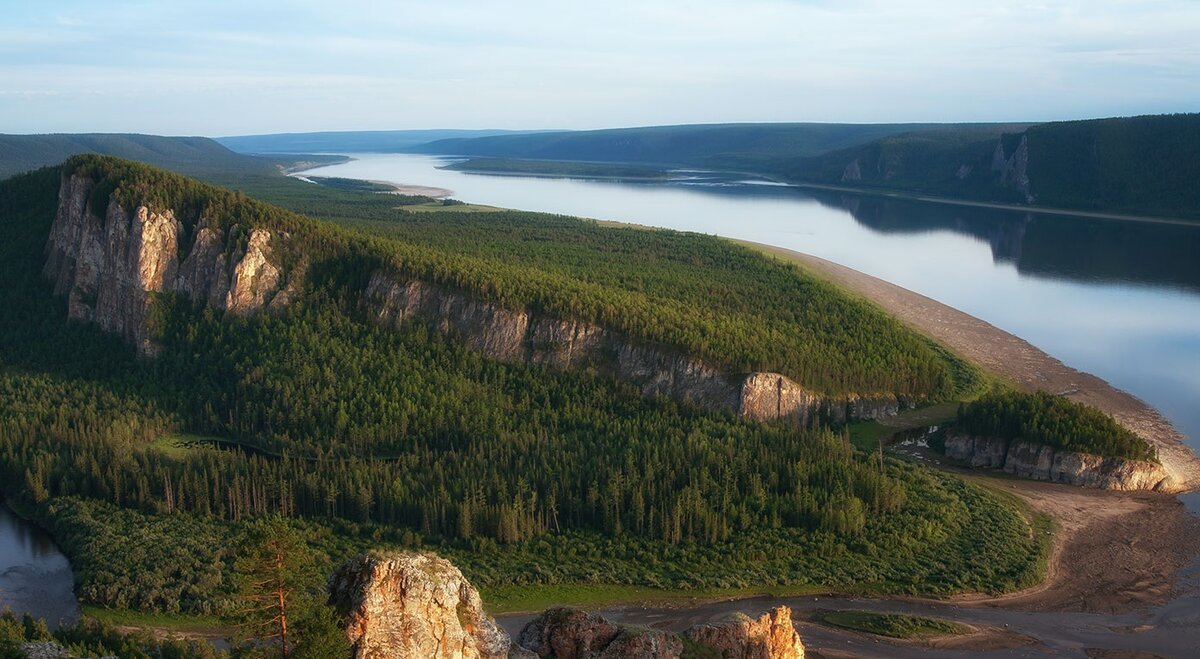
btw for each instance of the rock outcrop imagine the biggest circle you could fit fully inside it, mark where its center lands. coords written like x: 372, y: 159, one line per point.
x: 566, y: 633
x: 528, y: 337
x: 109, y: 267
x: 1014, y: 169
x: 770, y: 636
x: 418, y: 606
x: 1044, y: 463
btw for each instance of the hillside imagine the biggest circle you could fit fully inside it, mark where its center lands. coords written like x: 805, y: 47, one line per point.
x: 350, y: 141
x: 753, y: 147
x: 236, y: 363
x: 194, y: 156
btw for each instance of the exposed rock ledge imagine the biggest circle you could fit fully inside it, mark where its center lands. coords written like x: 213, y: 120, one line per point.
x: 529, y: 337
x: 419, y: 606
x: 1044, y: 463
x: 110, y: 267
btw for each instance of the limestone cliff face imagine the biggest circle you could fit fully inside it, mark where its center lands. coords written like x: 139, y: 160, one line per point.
x: 418, y: 606
x: 566, y: 633
x: 1044, y: 463
x: 109, y: 267
x: 527, y: 337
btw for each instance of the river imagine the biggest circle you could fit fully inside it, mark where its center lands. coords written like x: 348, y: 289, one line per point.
x: 1118, y: 299
x: 35, y: 576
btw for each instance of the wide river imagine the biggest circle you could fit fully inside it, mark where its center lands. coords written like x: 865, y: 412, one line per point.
x: 1118, y: 299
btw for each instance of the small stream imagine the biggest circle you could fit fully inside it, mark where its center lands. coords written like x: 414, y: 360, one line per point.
x: 35, y: 576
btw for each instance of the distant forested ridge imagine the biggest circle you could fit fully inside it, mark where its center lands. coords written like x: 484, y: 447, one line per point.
x: 193, y: 156
x: 750, y: 147
x: 349, y: 141
x: 1135, y: 165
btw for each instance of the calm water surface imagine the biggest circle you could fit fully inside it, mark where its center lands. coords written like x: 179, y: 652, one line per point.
x: 1117, y: 299
x: 34, y: 575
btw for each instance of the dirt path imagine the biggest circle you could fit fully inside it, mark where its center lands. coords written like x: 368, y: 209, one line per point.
x: 1011, y: 358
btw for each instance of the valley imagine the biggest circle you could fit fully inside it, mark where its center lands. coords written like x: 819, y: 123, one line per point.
x: 288, y: 304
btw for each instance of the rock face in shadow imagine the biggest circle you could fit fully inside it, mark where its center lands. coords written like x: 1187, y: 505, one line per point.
x: 567, y: 633
x: 418, y: 606
x: 109, y: 267
x: 523, y: 336
x: 1044, y: 463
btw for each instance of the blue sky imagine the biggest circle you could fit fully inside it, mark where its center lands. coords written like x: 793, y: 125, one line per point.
x: 220, y: 68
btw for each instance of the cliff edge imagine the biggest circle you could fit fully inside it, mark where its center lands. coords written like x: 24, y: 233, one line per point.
x: 110, y: 265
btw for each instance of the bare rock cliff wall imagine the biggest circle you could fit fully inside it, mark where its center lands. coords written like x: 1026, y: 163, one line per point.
x: 528, y: 337
x: 108, y: 267
x: 1044, y: 463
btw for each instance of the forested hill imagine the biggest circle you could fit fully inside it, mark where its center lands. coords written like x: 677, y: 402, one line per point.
x: 370, y: 434
x: 1139, y: 165
x: 194, y: 156
x: 749, y: 146
x: 696, y: 296
x: 1136, y: 165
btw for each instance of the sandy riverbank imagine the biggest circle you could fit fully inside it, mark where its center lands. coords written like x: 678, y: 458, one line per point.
x: 1012, y: 358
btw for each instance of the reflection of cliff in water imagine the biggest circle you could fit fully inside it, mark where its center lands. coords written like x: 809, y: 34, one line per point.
x: 1058, y: 246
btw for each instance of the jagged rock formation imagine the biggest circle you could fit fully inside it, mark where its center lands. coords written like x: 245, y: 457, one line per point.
x: 418, y: 606
x: 529, y: 337
x: 770, y: 636
x: 566, y: 633
x: 109, y: 267
x: 1044, y: 463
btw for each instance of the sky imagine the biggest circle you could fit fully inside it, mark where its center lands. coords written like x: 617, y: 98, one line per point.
x: 211, y: 67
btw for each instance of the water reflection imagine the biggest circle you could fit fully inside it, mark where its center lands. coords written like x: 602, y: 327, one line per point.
x: 35, y: 577
x: 1064, y: 247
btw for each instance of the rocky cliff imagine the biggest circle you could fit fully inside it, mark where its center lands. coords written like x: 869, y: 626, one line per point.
x: 1044, y: 463
x: 419, y: 606
x: 526, y: 336
x: 565, y: 633
x: 109, y: 267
